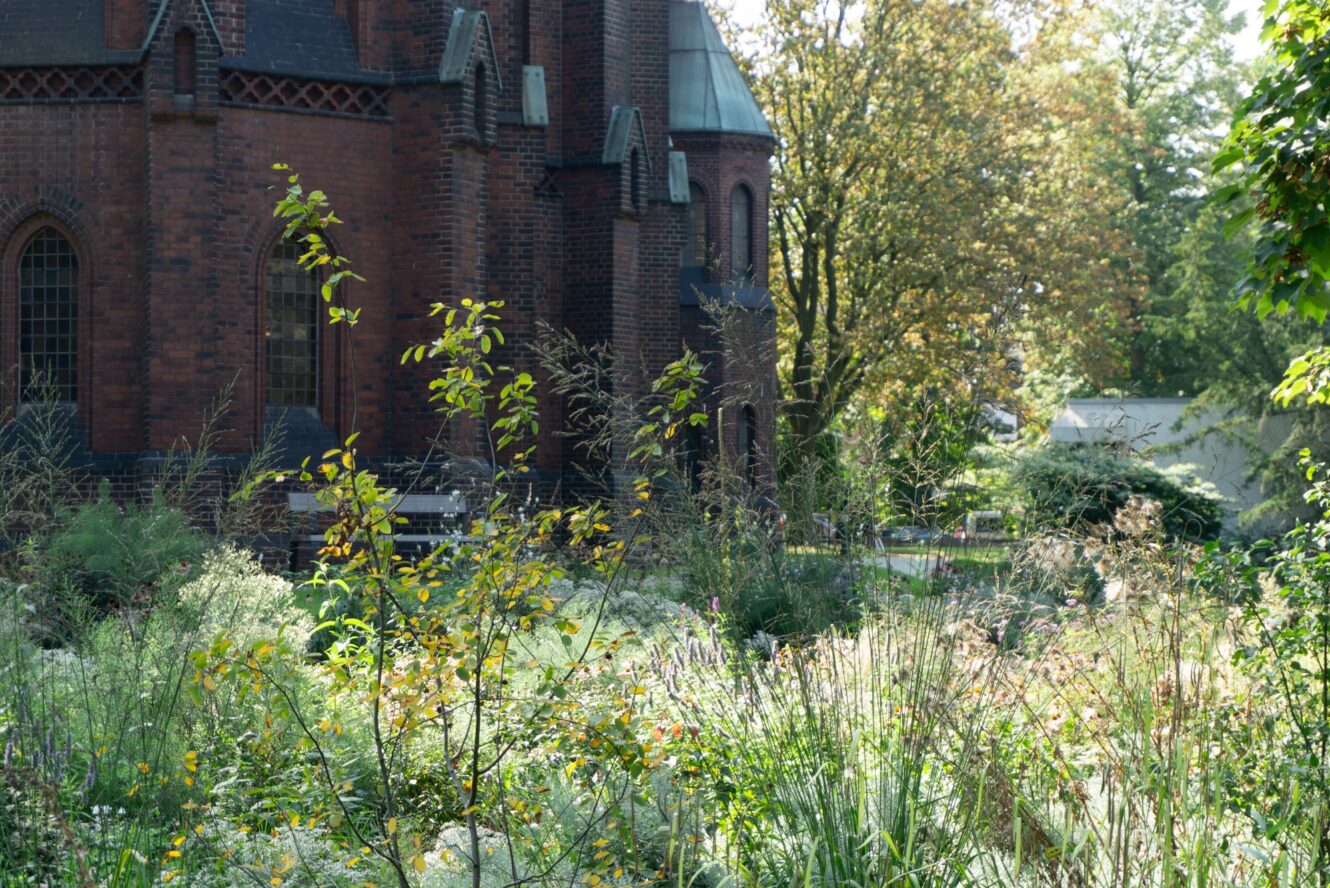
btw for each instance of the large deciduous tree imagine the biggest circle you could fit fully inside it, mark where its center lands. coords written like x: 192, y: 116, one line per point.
x: 931, y: 199
x: 1174, y: 82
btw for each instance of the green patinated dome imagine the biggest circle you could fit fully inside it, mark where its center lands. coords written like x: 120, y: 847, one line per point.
x: 707, y: 91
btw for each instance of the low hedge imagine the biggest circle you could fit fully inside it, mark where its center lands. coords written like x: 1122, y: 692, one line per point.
x: 1077, y: 487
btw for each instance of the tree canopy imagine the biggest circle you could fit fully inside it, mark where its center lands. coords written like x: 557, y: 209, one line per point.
x: 932, y: 198
x: 1281, y: 144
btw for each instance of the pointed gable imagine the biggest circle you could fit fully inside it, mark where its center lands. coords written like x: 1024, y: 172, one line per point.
x: 626, y: 131
x: 469, y: 41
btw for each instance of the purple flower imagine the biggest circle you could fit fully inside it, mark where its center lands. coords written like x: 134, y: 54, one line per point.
x: 715, y: 604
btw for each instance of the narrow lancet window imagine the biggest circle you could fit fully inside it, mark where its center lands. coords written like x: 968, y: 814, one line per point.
x: 293, y: 329
x: 48, y: 279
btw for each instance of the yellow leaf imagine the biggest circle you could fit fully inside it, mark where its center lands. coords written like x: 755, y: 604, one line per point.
x: 209, y: 683
x: 392, y: 825
x: 418, y: 863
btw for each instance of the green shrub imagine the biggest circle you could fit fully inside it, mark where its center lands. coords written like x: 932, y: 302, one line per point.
x: 762, y: 589
x: 114, y: 554
x: 1078, y: 488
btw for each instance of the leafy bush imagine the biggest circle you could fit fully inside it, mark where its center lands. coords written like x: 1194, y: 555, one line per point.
x: 295, y: 856
x: 87, y: 729
x: 232, y: 593
x: 762, y: 590
x: 1081, y: 488
x: 115, y: 554
x: 1279, y: 744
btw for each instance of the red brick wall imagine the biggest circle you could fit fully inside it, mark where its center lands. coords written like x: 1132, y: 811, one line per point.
x: 82, y: 168
x: 719, y: 163
x: 371, y: 26
x: 229, y: 16
x: 168, y: 202
x: 246, y: 232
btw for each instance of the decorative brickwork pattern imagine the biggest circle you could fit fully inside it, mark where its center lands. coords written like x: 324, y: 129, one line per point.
x: 22, y: 86
x: 240, y: 88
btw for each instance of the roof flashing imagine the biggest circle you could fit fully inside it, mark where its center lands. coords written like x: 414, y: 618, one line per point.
x: 623, y: 123
x: 456, y: 63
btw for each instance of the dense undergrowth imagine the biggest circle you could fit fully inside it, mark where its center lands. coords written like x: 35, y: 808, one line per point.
x: 676, y: 691
x: 997, y: 728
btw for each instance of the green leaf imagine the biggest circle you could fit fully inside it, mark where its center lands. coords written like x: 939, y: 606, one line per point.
x: 1235, y: 224
x: 1316, y: 244
x: 1222, y: 161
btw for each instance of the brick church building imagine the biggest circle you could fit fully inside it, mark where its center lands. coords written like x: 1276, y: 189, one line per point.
x: 600, y: 165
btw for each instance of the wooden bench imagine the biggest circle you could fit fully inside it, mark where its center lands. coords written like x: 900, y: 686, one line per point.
x: 418, y: 505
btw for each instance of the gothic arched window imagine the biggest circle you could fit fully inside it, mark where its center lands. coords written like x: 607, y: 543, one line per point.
x: 741, y: 231
x: 748, y: 448
x: 185, y: 62
x: 292, y: 334
x: 480, y: 107
x: 635, y: 180
x: 695, y: 248
x: 48, y: 281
